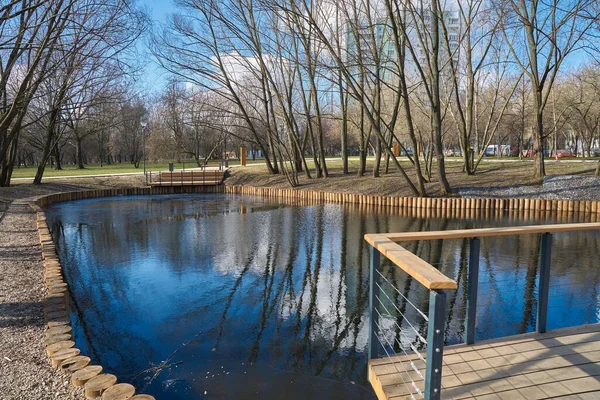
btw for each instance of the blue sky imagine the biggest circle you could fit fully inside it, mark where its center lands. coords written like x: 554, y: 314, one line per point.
x: 154, y: 76
x: 159, y: 8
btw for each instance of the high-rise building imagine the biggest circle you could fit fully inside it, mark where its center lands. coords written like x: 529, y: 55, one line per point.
x: 379, y: 41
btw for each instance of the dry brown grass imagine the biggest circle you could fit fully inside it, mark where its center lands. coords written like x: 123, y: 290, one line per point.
x: 489, y: 174
x: 22, y: 190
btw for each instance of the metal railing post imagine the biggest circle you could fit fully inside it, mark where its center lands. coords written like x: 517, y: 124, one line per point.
x: 374, y: 266
x: 544, y: 283
x: 435, y: 345
x: 472, y: 286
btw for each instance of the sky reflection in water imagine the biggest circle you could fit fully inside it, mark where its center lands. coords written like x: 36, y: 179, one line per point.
x: 244, y: 297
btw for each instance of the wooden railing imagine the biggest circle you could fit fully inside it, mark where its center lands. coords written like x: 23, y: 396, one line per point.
x: 387, y: 244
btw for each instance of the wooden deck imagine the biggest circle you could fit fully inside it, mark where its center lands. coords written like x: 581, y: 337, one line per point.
x: 563, y: 363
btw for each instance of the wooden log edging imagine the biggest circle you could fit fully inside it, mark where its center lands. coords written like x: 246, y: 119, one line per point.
x: 437, y: 207
x: 60, y: 347
x: 458, y: 207
x: 56, y: 305
x: 438, y: 203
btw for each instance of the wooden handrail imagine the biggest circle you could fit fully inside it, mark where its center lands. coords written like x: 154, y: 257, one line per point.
x: 413, y: 265
x: 428, y: 275
x: 481, y: 232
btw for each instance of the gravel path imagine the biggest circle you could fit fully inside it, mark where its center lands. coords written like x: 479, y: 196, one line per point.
x: 565, y: 187
x: 26, y: 371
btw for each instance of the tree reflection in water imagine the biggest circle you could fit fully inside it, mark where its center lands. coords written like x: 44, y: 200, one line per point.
x: 248, y: 297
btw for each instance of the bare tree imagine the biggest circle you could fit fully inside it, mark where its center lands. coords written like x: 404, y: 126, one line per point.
x: 541, y: 36
x: 30, y: 31
x: 208, y: 48
x: 581, y: 94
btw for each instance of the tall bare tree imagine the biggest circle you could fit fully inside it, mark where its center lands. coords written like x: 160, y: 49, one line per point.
x: 542, y: 35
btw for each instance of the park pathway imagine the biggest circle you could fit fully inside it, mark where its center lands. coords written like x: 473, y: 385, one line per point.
x: 25, y: 370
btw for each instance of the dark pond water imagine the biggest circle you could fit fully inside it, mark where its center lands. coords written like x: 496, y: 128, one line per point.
x: 235, y: 297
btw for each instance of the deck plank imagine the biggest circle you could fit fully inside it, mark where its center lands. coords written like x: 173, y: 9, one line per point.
x: 563, y: 363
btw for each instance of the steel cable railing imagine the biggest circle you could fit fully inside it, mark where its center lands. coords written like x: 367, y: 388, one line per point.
x: 403, y: 297
x: 380, y: 303
x: 405, y: 356
x: 390, y: 309
x: 402, y: 374
x: 399, y: 355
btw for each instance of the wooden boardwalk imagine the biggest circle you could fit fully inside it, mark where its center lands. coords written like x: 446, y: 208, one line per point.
x: 210, y: 176
x: 561, y: 364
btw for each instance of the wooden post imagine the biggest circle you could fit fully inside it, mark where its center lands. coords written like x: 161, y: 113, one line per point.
x: 544, y: 283
x: 472, y: 286
x: 373, y: 295
x: 435, y: 345
x: 80, y: 377
x: 95, y: 386
x: 243, y: 156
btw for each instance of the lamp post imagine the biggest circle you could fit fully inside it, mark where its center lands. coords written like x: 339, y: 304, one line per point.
x: 143, y: 124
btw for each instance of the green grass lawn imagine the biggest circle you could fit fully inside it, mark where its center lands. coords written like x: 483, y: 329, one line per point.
x: 96, y: 169
x: 554, y: 167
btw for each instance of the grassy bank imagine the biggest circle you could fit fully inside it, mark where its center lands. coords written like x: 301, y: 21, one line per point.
x: 489, y: 175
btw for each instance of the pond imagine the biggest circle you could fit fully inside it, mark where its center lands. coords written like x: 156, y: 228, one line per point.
x: 224, y: 296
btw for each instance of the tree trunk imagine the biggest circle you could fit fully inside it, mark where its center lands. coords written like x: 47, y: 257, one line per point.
x: 57, y: 156
x: 79, y: 153
x: 9, y: 164
x: 362, y: 144
x: 538, y: 138
x: 377, y: 165
x: 44, y: 159
x: 436, y: 120
x: 271, y: 164
x: 344, y: 141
